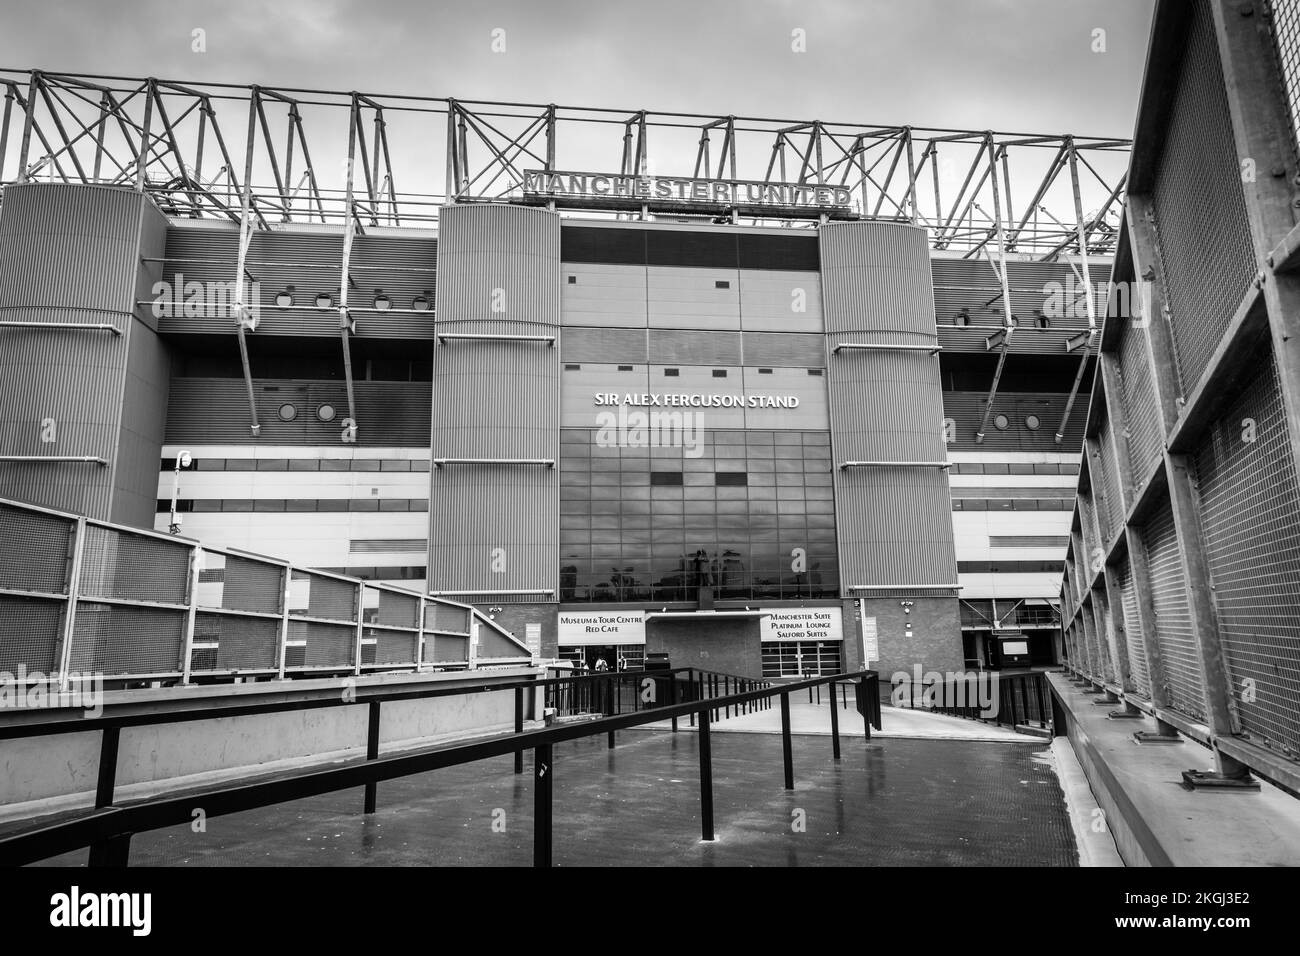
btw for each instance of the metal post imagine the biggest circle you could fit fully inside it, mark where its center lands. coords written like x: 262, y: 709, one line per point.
x: 109, y: 738
x: 835, y: 727
x: 519, y: 727
x: 542, y: 760
x: 115, y: 851
x: 706, y: 779
x: 284, y: 623
x: 187, y: 649
x: 672, y: 694
x: 372, y: 752
x: 361, y: 628
x: 786, y: 751
x: 64, y: 662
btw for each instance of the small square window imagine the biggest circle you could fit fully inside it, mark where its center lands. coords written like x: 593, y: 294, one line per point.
x: 625, y: 368
x: 814, y: 371
x: 672, y: 372
x: 722, y: 284
x: 719, y: 373
x: 764, y: 371
x: 573, y: 280
x: 665, y: 477
x: 573, y: 368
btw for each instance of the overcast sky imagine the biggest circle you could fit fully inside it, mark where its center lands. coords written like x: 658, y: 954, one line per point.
x: 1019, y: 65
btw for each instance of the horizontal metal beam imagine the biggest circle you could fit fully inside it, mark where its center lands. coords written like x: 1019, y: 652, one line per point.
x: 548, y: 339
x: 442, y: 462
x: 895, y: 464
x: 880, y: 347
x: 56, y: 459
x: 904, y: 587
x: 493, y: 591
x: 78, y: 326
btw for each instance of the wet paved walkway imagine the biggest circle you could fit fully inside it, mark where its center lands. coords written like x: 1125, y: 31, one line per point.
x: 926, y: 802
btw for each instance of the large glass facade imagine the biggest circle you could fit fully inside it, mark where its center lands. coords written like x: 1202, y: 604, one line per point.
x: 749, y: 514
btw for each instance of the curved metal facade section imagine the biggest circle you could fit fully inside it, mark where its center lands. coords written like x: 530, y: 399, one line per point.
x: 71, y: 254
x: 495, y: 527
x: 894, y: 523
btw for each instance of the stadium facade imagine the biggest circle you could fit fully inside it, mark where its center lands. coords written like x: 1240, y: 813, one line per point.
x: 754, y: 429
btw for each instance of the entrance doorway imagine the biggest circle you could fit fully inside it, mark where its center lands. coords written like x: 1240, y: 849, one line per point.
x: 796, y: 658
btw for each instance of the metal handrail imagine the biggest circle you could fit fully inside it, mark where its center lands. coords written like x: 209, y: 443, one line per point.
x: 109, y: 828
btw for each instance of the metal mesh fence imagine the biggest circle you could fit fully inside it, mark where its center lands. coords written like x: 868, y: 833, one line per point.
x: 137, y: 567
x: 441, y: 649
x: 316, y: 595
x: 1090, y: 541
x: 29, y: 634
x: 446, y: 617
x: 1200, y: 212
x: 1251, y: 528
x: 390, y: 647
x: 37, y: 550
x: 139, y: 641
x: 1179, y: 660
x: 1133, y: 637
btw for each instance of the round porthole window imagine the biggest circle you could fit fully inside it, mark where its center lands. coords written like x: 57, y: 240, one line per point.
x: 325, y: 413
x: 1032, y: 422
x: 288, y: 412
x: 324, y: 301
x: 382, y: 302
x: 420, y: 304
x: 1001, y: 422
x: 284, y: 299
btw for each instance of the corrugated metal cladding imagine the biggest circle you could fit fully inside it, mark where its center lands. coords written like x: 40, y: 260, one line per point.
x: 306, y: 264
x: 1144, y: 433
x: 680, y: 346
x: 1037, y: 288
x: 68, y: 254
x: 1251, y: 528
x: 966, y: 409
x: 1179, y: 661
x: 894, y: 524
x: 1133, y: 638
x: 1200, y: 213
x: 215, y: 411
x: 496, y: 527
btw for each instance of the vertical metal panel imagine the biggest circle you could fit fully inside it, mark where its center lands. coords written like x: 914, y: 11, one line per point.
x: 496, y: 527
x: 894, y: 524
x: 1110, y: 511
x: 67, y: 254
x: 1251, y: 527
x: 1200, y: 212
x: 1180, y: 661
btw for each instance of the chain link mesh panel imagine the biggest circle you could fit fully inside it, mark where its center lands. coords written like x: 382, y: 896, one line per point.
x: 315, y: 595
x: 1200, y: 211
x: 240, y: 584
x: 1179, y: 659
x: 119, y: 641
x: 1284, y: 16
x: 37, y: 550
x: 319, y: 645
x: 1101, y: 613
x: 446, y: 617
x: 1133, y: 637
x: 389, y: 608
x: 1144, y: 434
x: 243, y: 643
x: 441, y: 649
x: 1088, y: 519
x: 29, y: 633
x: 137, y: 567
x: 390, y: 647
x: 1111, y: 511
x: 1251, y: 528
